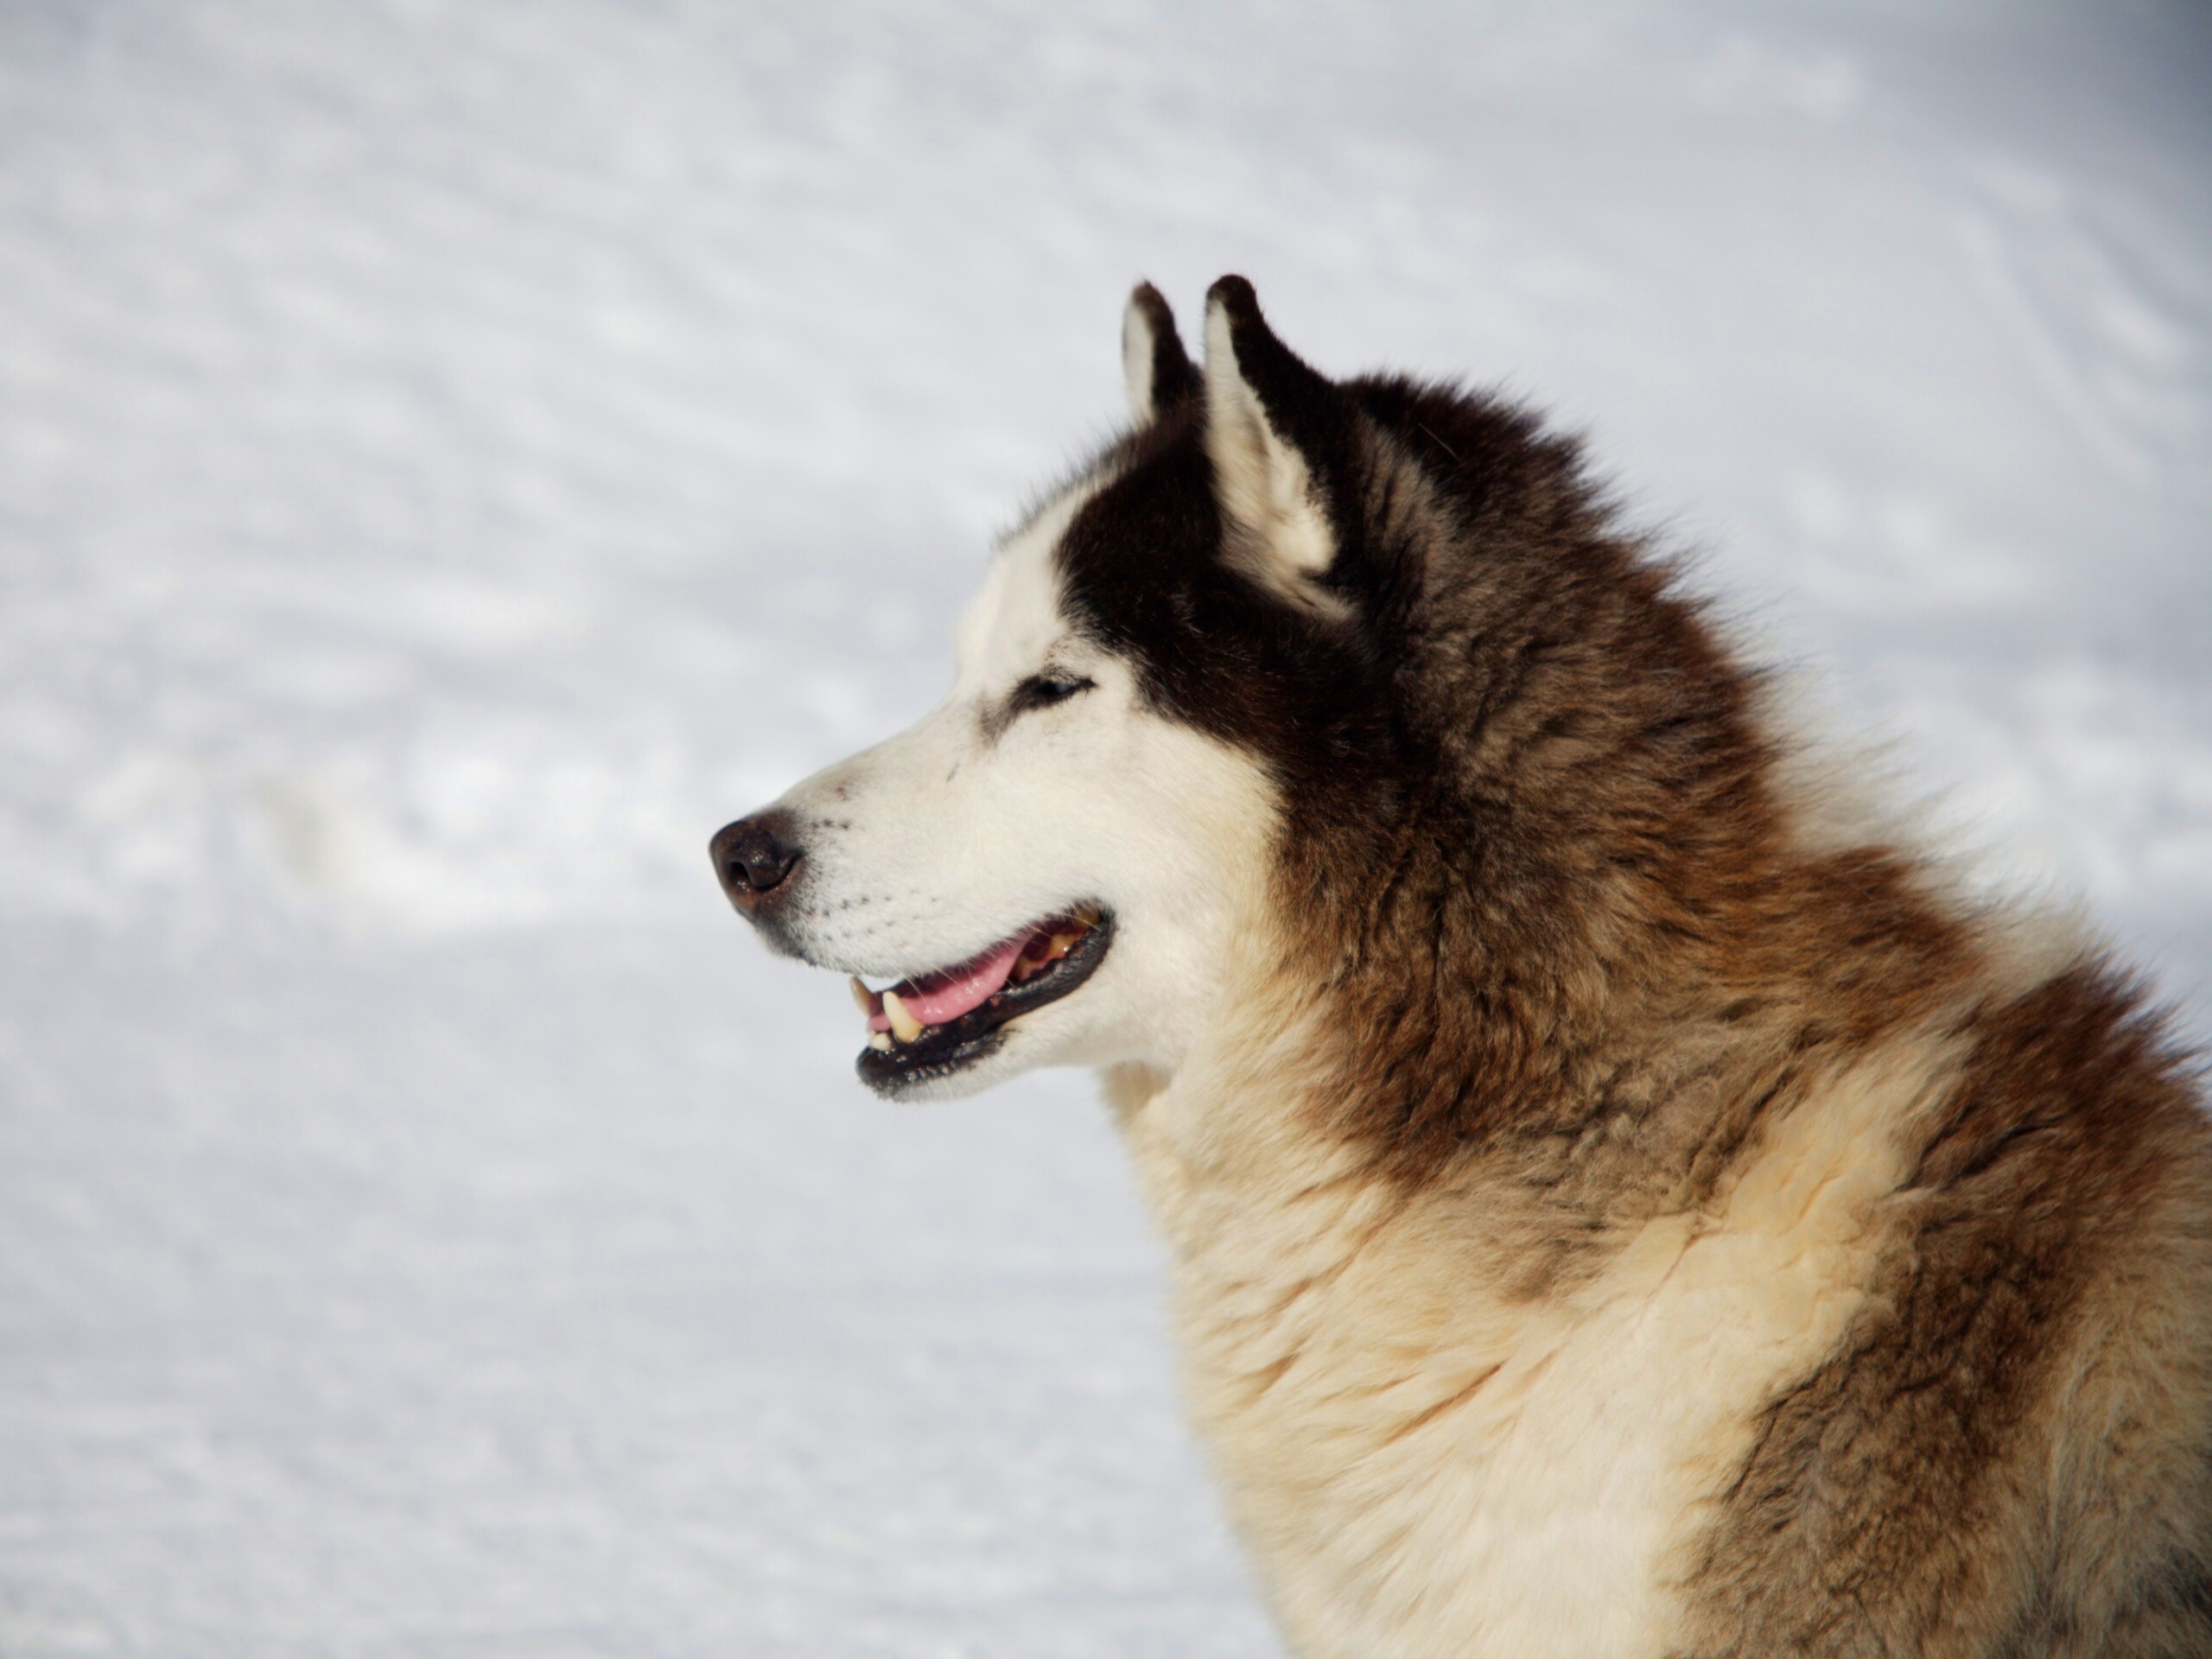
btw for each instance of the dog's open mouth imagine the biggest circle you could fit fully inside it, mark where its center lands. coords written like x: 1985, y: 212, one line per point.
x: 935, y: 1024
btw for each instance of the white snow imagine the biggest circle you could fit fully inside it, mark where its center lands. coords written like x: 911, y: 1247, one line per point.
x: 454, y: 458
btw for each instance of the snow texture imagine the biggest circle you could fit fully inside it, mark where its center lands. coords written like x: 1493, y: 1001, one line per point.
x: 454, y: 458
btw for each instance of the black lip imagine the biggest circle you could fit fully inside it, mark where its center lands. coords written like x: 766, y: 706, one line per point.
x: 943, y: 1050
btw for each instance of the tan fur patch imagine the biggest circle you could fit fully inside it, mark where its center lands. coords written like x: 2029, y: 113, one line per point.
x: 1427, y: 1462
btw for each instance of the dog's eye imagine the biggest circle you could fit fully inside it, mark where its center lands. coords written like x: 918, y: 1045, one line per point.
x: 1043, y: 690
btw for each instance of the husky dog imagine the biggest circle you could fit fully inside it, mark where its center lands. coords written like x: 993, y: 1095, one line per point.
x: 1614, y: 1209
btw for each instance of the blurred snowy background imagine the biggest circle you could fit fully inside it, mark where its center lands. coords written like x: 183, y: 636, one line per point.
x: 452, y: 459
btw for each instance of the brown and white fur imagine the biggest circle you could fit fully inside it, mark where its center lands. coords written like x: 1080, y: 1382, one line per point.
x: 1613, y: 1211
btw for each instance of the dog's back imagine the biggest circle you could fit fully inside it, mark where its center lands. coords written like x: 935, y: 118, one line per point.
x: 2008, y: 1450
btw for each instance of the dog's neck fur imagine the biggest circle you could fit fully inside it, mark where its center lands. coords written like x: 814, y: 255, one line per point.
x: 1435, y: 1202
x: 1399, y: 1379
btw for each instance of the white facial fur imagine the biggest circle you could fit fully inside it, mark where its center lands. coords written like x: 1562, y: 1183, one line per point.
x: 970, y: 826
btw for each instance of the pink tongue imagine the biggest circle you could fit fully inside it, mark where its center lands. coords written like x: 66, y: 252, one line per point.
x: 939, y: 997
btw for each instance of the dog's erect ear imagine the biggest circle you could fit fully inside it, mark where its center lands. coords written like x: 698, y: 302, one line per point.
x: 1267, y: 414
x: 1155, y: 368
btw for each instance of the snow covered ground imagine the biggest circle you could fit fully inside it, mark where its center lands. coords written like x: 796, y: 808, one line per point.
x: 452, y: 459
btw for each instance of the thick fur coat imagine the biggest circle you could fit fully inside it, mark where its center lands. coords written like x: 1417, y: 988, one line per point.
x: 1614, y: 1207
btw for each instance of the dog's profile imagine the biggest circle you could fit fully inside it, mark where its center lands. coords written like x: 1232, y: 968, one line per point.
x: 1616, y: 1208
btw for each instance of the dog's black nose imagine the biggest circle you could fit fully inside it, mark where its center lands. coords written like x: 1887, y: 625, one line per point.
x: 753, y: 857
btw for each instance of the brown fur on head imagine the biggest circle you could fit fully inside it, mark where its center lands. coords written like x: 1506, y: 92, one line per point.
x: 1532, y: 845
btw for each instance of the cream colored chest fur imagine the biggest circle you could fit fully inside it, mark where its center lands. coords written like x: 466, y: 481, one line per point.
x: 1426, y: 1463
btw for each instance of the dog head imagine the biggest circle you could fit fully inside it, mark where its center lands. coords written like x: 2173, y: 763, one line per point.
x: 1081, y: 850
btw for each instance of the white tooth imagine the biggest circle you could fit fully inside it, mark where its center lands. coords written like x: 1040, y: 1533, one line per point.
x: 881, y: 1040
x: 903, y: 1023
x: 864, y: 996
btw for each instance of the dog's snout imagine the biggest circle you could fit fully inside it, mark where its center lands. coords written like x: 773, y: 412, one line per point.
x: 754, y: 857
